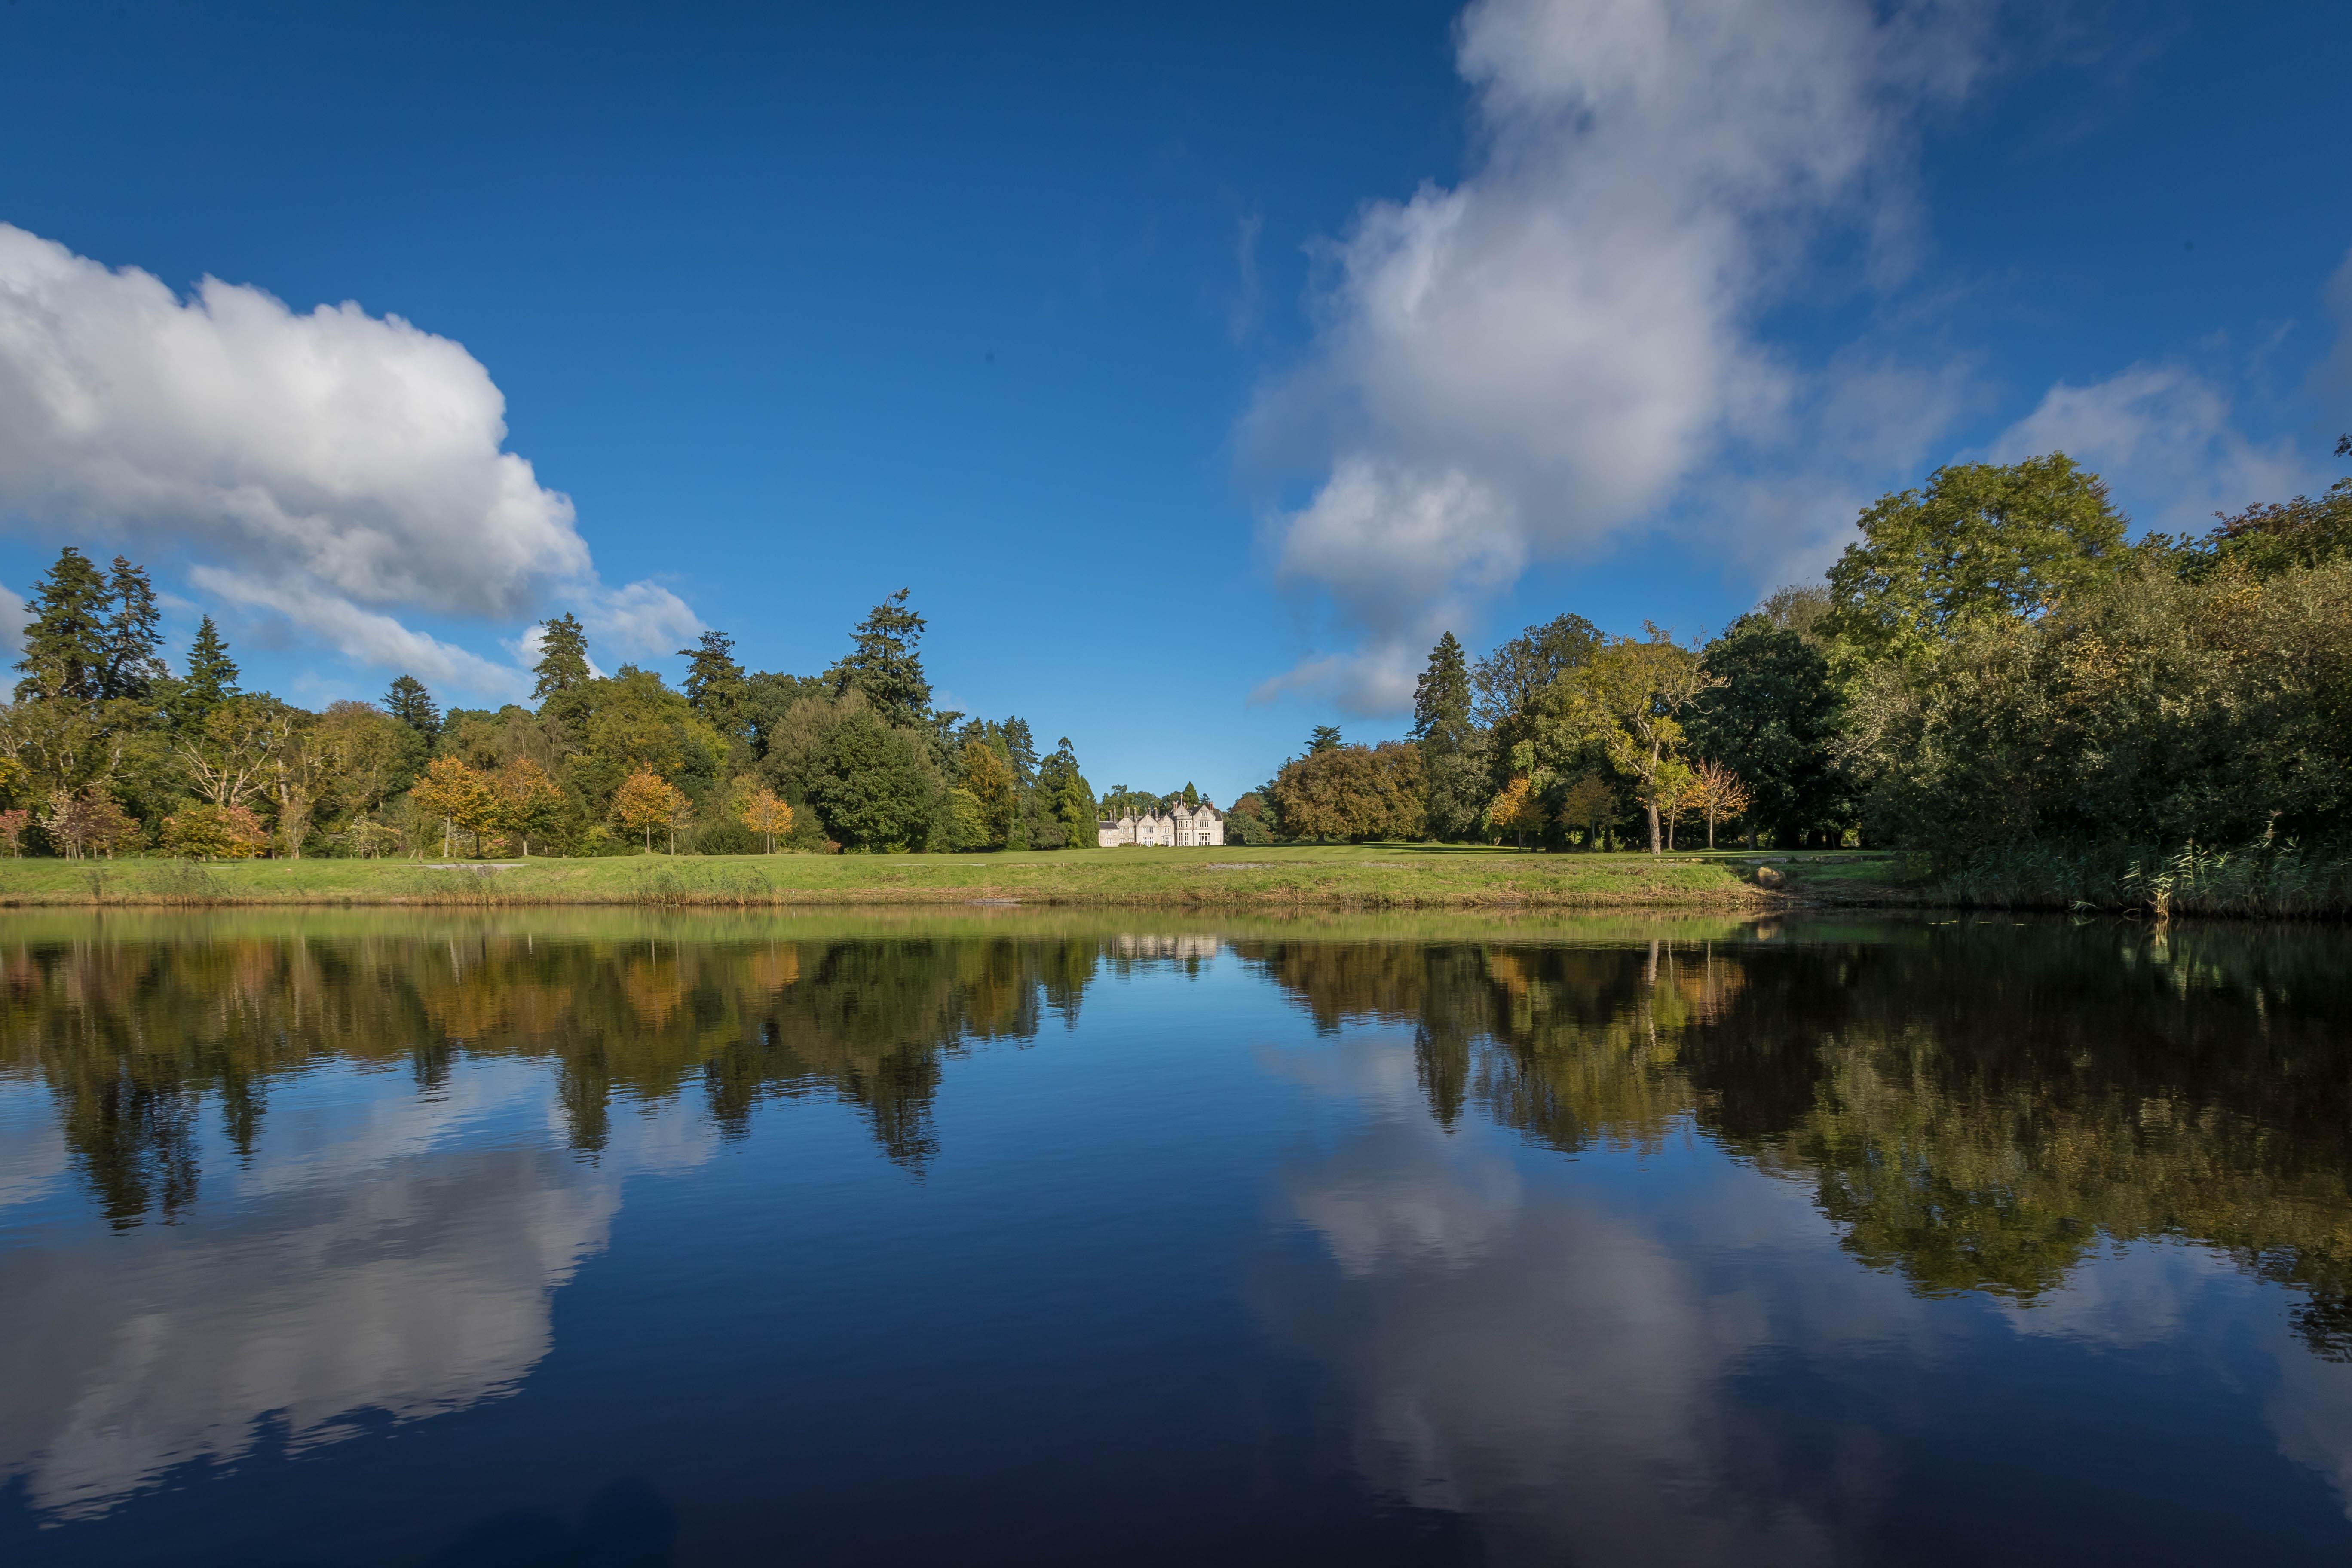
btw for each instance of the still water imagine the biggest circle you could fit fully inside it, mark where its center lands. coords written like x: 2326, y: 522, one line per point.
x: 576, y: 1237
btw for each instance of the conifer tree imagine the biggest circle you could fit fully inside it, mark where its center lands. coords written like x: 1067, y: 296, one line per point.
x: 1441, y: 698
x: 1326, y: 738
x: 133, y: 635
x: 409, y: 702
x: 562, y: 657
x: 1068, y: 797
x: 65, y: 638
x: 212, y: 674
x: 714, y: 681
x: 885, y: 666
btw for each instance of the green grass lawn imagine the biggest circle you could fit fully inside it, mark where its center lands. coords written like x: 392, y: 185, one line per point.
x: 1376, y: 876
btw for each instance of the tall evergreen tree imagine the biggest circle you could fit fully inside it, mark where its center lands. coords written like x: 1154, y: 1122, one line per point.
x: 884, y: 664
x: 133, y: 635
x: 714, y: 681
x: 66, y: 637
x: 1068, y: 798
x: 562, y: 657
x: 211, y: 680
x: 409, y: 702
x: 1453, y: 768
x: 1326, y: 738
x: 1440, y: 699
x: 1020, y: 748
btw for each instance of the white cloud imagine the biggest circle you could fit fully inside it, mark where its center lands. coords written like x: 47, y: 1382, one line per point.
x: 642, y: 618
x: 333, y: 467
x: 2163, y: 439
x: 366, y: 635
x: 12, y: 622
x: 1527, y: 362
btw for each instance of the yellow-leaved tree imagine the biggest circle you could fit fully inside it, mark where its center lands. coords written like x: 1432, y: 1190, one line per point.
x: 455, y: 794
x: 1718, y: 792
x: 765, y: 815
x: 1516, y: 808
x: 646, y: 801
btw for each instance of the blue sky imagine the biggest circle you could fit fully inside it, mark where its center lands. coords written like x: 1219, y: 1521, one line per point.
x: 1193, y: 369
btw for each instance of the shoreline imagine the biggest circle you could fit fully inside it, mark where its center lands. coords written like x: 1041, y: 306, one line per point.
x: 1367, y: 877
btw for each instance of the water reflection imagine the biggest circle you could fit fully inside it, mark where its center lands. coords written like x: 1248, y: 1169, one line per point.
x: 1594, y: 1203
x: 1974, y: 1106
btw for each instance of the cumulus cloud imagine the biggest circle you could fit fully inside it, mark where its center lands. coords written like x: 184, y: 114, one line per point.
x: 1527, y: 362
x: 2163, y: 438
x: 334, y: 467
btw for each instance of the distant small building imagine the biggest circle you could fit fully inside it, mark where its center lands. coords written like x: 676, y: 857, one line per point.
x: 1183, y: 827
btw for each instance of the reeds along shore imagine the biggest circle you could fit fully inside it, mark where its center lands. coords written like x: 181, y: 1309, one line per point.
x: 2263, y: 882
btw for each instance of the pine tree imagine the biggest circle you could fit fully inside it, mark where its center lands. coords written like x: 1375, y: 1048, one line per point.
x: 133, y: 635
x: 409, y: 702
x: 212, y: 674
x: 1440, y: 699
x: 1326, y: 738
x: 1020, y: 750
x: 714, y: 681
x: 885, y: 666
x: 65, y: 641
x: 562, y: 657
x: 1191, y: 796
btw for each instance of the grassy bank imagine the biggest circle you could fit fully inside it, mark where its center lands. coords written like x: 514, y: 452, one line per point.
x: 1403, y: 877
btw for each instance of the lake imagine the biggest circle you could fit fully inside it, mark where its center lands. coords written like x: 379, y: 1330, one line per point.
x: 575, y: 1236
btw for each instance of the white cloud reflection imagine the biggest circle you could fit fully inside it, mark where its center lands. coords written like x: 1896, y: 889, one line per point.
x: 371, y: 1261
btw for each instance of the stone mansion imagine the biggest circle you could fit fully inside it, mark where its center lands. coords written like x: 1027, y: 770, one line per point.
x: 1184, y: 827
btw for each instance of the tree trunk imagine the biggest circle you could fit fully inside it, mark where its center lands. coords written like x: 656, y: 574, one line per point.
x: 1711, y: 830
x: 1651, y: 807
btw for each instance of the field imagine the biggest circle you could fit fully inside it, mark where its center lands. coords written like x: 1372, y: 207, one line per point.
x: 1380, y: 876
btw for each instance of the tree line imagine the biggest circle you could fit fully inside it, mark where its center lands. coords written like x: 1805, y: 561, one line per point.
x: 106, y: 751
x: 1992, y: 664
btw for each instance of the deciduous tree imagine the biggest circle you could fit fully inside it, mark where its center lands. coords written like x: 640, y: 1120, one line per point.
x: 208, y: 832
x: 872, y: 786
x: 644, y: 802
x: 1585, y: 805
x: 1719, y: 794
x: 1353, y: 793
x: 1627, y: 698
x: 988, y: 779
x: 529, y: 804
x: 1980, y: 540
x: 455, y: 796
x: 766, y: 815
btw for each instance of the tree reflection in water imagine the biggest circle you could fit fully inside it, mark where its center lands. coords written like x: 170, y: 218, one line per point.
x: 1975, y: 1105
